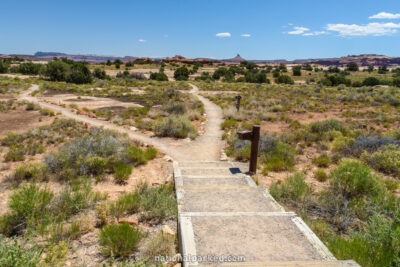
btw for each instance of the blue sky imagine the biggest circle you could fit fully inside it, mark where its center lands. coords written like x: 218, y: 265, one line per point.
x: 257, y: 29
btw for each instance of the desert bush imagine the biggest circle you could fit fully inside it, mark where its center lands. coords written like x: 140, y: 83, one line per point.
x: 285, y: 79
x: 139, y: 156
x: 174, y: 107
x: 15, y: 153
x: 371, y: 144
x: 161, y: 244
x: 386, y: 159
x: 181, y: 74
x: 276, y: 155
x: 13, y: 253
x: 321, y: 175
x: 78, y: 154
x: 127, y: 203
x: 179, y: 127
x: 119, y: 240
x: 374, y: 245
x: 322, y: 161
x: 74, y: 198
x: 321, y: 127
x: 158, y: 203
x: 33, y: 170
x: 122, y: 171
x: 351, y: 178
x: 294, y: 189
x: 227, y: 124
x: 28, y: 206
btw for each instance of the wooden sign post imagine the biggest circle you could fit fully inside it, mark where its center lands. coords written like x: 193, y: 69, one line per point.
x: 254, y: 137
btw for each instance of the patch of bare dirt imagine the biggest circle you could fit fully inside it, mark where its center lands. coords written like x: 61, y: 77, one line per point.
x: 89, y: 102
x: 20, y: 120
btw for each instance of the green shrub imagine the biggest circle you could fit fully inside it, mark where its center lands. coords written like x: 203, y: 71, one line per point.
x: 127, y: 203
x: 83, y: 155
x: 32, y: 170
x: 74, y: 198
x: 158, y: 203
x: 119, y: 240
x: 279, y: 157
x: 122, y: 171
x: 321, y: 175
x: 28, y: 207
x: 227, y: 124
x: 322, y: 161
x: 179, y: 127
x: 321, y: 127
x: 174, y: 107
x: 161, y: 244
x: 97, y: 165
x: 46, y: 112
x: 150, y: 153
x: 14, y: 254
x: 386, y: 160
x: 15, y: 153
x: 351, y: 178
x: 293, y: 189
x: 135, y: 155
x: 375, y: 245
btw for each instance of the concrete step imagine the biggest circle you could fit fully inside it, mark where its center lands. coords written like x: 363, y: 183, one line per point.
x: 223, y: 213
x: 336, y: 263
x: 207, y: 164
x: 215, y: 171
x: 227, y: 199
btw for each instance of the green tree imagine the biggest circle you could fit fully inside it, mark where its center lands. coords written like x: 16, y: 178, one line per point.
x: 158, y: 76
x: 99, y: 73
x: 57, y: 70
x: 371, y: 81
x: 3, y: 66
x: 284, y: 79
x: 29, y: 68
x: 296, y: 71
x: 79, y: 73
x: 181, y: 74
x: 352, y: 66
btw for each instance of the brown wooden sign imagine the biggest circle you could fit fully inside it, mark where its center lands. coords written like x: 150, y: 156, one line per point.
x: 254, y: 137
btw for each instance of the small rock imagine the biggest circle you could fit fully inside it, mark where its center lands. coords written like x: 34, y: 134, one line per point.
x: 224, y: 157
x: 167, y: 230
x: 167, y: 158
x: 133, y: 128
x: 129, y: 220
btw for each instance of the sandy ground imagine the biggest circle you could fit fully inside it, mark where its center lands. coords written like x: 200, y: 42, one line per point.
x: 89, y: 102
x: 20, y: 120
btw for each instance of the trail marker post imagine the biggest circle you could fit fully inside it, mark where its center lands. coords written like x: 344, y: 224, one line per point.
x: 238, y: 97
x: 254, y: 137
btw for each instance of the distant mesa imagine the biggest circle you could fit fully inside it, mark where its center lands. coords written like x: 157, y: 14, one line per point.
x: 361, y: 60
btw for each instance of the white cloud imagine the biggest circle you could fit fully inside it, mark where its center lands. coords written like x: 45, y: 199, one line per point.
x: 142, y: 40
x: 245, y: 35
x: 314, y: 33
x: 223, y: 34
x: 298, y: 30
x: 385, y: 15
x: 374, y: 29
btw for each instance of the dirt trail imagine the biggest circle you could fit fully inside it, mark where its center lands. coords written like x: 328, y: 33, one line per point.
x: 206, y: 147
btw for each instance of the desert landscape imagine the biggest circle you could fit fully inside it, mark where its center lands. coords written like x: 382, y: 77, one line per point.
x: 125, y: 159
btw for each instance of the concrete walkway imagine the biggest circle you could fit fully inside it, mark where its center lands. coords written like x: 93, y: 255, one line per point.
x: 225, y: 219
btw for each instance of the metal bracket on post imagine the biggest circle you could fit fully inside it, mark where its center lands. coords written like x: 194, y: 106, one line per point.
x: 254, y: 137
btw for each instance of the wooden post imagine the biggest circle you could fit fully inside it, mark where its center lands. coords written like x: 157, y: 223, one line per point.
x: 254, y: 137
x: 238, y: 97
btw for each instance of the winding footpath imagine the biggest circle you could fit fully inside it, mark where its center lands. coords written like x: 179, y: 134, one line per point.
x: 206, y: 147
x: 224, y: 218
